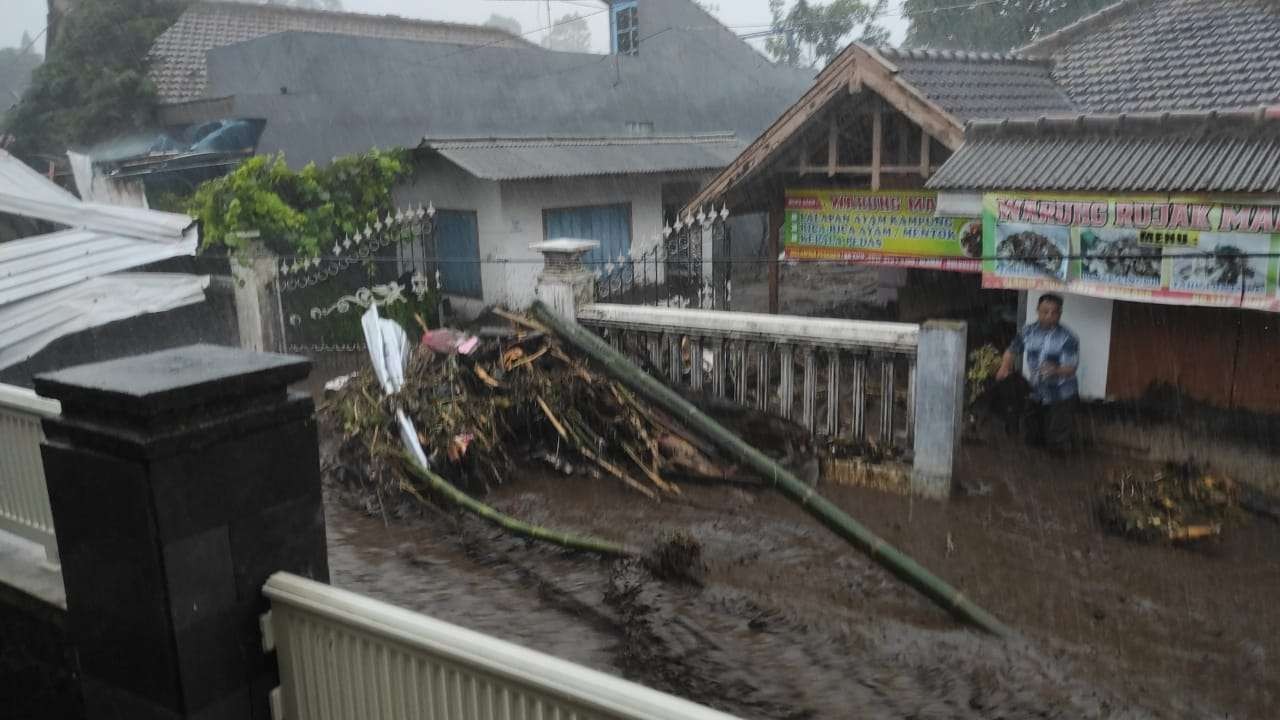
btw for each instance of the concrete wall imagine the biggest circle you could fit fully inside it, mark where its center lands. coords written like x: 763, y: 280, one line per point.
x: 509, y: 215
x: 1090, y: 319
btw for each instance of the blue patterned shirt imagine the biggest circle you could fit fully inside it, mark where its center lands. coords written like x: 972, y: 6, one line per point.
x: 1058, y: 345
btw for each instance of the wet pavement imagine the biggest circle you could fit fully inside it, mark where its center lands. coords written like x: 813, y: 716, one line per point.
x: 792, y: 623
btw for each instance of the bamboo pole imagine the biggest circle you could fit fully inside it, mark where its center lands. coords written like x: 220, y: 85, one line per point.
x: 506, y: 522
x: 835, y: 519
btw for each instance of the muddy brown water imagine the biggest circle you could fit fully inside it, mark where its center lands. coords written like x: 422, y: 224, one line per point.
x: 790, y: 622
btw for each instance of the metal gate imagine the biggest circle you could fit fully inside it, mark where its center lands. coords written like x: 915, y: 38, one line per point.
x: 687, y: 268
x: 392, y: 264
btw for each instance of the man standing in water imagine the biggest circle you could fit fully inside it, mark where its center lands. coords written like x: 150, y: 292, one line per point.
x: 1052, y: 354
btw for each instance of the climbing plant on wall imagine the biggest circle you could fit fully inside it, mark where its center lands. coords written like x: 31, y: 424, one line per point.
x: 297, y: 212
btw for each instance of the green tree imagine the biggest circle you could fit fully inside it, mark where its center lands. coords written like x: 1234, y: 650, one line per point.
x: 297, y: 212
x: 502, y: 22
x: 94, y: 85
x: 569, y: 34
x: 997, y: 26
x: 811, y: 34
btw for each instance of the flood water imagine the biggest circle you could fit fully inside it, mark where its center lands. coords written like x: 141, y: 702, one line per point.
x: 790, y: 622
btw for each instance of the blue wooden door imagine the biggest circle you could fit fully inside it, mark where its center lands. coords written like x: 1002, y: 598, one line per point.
x: 458, y: 252
x: 609, y: 225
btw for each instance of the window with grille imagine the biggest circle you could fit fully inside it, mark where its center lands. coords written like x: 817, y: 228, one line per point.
x: 625, y: 27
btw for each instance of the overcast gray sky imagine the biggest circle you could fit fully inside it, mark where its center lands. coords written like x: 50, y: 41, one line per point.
x: 17, y: 16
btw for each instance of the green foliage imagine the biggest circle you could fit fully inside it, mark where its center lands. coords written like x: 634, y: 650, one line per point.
x: 998, y: 26
x: 811, y: 34
x: 93, y: 86
x: 297, y: 212
x: 983, y: 364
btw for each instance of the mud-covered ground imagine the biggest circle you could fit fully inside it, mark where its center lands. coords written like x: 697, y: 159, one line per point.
x: 790, y: 622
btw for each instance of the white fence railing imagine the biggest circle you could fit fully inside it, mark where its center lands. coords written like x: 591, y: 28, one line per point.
x: 342, y: 655
x: 24, y: 497
x: 839, y: 378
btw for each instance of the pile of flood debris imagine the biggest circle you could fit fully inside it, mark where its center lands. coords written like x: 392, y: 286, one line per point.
x: 1180, y: 502
x: 497, y: 401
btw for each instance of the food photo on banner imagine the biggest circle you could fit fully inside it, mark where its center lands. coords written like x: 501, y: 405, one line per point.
x: 898, y: 228
x: 1184, y: 250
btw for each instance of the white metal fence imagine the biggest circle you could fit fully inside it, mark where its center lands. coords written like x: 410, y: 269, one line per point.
x: 24, y: 497
x: 345, y: 656
x: 839, y: 378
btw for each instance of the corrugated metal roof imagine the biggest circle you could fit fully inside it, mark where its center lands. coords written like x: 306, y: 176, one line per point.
x: 178, y: 56
x: 47, y: 279
x: 530, y: 158
x: 31, y: 266
x: 25, y: 192
x: 1189, y: 152
x: 27, y: 327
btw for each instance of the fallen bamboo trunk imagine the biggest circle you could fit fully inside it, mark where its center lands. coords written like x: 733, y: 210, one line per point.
x: 506, y: 522
x: 836, y: 520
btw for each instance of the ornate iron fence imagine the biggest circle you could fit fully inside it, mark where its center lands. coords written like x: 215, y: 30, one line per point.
x: 676, y: 271
x: 392, y: 264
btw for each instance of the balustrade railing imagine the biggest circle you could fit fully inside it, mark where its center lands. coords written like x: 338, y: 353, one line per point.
x: 842, y: 379
x: 343, y: 655
x: 24, y: 497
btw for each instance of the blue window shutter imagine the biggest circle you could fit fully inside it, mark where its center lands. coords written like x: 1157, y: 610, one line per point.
x: 609, y: 225
x: 458, y: 250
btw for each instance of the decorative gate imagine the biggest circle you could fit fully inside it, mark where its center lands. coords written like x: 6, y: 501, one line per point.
x: 687, y: 268
x: 392, y: 264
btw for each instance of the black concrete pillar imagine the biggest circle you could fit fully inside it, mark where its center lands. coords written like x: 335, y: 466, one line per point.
x: 179, y: 481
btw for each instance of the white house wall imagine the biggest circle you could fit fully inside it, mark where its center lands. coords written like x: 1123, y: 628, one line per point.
x: 523, y: 202
x: 448, y: 187
x: 509, y: 217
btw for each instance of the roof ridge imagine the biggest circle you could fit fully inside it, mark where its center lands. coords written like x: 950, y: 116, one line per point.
x: 961, y: 55
x: 1048, y: 44
x: 345, y: 14
x: 1262, y: 117
x: 586, y: 139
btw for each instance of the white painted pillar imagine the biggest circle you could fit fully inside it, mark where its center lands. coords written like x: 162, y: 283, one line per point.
x: 939, y: 411
x: 565, y: 283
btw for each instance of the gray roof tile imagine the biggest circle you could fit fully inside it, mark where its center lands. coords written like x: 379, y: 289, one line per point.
x: 178, y: 56
x: 981, y: 85
x: 1170, y: 55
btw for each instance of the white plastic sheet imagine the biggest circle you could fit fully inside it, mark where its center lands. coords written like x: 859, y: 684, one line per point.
x: 388, y: 351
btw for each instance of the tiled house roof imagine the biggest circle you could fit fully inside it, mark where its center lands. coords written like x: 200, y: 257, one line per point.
x: 981, y: 85
x: 1236, y: 152
x: 1141, y: 55
x: 179, y: 68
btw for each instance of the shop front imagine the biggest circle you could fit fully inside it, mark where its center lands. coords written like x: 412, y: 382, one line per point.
x: 1168, y: 262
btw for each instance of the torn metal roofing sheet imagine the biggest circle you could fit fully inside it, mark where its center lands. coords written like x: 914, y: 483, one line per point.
x: 61, y: 282
x: 25, y: 192
x: 530, y: 158
x: 35, y: 265
x: 27, y: 327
